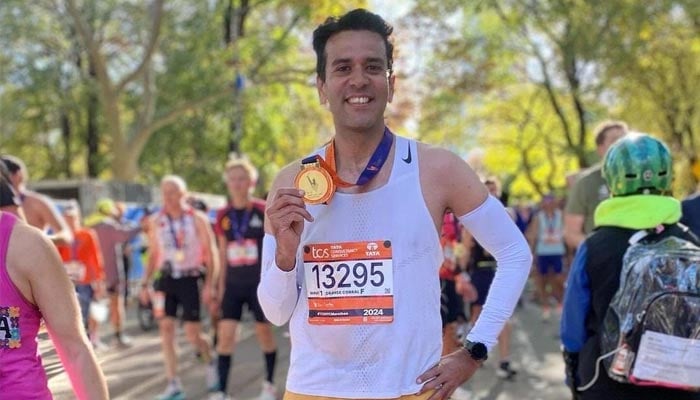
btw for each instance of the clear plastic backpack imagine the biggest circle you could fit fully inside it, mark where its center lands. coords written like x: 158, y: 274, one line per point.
x: 651, y: 331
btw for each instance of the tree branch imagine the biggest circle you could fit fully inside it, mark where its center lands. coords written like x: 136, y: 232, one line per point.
x: 157, y: 11
x: 96, y: 58
x: 262, y: 60
x: 140, y: 138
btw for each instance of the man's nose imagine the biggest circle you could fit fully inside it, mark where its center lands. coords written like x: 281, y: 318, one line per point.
x: 359, y: 77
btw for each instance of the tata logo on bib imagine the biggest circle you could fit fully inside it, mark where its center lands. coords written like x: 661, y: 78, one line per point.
x: 372, y: 249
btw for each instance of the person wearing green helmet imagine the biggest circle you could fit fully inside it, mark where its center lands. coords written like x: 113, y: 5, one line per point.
x: 639, y: 171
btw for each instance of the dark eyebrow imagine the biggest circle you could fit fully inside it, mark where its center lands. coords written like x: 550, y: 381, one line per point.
x: 340, y: 61
x: 368, y: 60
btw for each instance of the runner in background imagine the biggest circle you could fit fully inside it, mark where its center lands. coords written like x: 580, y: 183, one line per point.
x: 112, y: 235
x: 83, y: 262
x: 590, y: 187
x: 39, y: 210
x: 182, y: 252
x: 239, y: 231
x: 546, y: 237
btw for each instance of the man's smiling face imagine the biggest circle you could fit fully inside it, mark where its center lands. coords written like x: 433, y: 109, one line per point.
x: 357, y: 85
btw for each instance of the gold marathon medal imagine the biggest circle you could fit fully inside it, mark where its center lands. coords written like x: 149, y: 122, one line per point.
x: 316, y: 183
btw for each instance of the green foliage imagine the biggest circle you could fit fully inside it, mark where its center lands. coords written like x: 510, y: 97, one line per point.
x: 524, y: 80
x: 528, y: 80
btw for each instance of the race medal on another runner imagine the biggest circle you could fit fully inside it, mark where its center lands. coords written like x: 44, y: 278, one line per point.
x: 179, y: 256
x: 350, y: 283
x: 316, y: 183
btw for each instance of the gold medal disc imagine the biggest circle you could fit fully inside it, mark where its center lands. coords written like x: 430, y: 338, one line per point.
x: 179, y: 256
x: 316, y: 183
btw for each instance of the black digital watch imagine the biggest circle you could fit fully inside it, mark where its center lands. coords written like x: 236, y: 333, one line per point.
x: 476, y: 350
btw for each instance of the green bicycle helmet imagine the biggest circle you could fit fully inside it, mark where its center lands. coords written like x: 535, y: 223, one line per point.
x: 638, y: 164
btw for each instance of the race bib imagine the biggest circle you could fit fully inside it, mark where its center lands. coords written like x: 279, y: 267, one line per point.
x: 240, y: 254
x: 75, y: 270
x: 349, y: 283
x: 553, y: 238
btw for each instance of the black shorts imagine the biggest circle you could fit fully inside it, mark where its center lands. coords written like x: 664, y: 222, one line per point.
x: 481, y: 279
x: 185, y: 292
x: 235, y: 297
x: 451, y: 303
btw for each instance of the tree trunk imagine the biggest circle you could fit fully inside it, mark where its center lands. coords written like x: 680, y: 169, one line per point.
x: 66, y: 135
x: 92, y: 134
x: 125, y: 167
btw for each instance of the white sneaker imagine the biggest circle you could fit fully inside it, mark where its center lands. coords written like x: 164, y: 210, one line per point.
x: 212, y: 377
x: 461, y: 394
x: 546, y: 314
x: 219, y: 396
x: 172, y: 392
x: 268, y: 392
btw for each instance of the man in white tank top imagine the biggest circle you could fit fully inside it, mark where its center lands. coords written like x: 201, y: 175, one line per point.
x: 354, y: 269
x: 182, y: 251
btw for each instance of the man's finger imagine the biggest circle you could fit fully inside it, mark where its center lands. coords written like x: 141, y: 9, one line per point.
x: 278, y: 216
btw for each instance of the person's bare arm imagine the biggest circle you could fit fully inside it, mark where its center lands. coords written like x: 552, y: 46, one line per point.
x: 223, y: 262
x: 494, y: 229
x: 210, y: 255
x: 573, y: 229
x: 36, y: 261
x: 61, y: 233
x: 532, y: 232
x: 462, y: 192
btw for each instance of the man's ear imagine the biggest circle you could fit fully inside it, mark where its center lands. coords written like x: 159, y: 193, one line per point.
x: 392, y: 81
x: 320, y: 87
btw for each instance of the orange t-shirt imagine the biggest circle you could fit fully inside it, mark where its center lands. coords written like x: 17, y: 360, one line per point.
x: 87, y: 250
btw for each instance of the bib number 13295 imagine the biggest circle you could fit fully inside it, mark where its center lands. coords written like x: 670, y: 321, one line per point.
x: 349, y: 283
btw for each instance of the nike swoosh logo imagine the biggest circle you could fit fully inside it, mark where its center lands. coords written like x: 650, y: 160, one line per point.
x: 407, y: 160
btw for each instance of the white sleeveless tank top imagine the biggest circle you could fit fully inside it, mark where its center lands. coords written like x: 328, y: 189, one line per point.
x: 187, y: 244
x: 376, y: 360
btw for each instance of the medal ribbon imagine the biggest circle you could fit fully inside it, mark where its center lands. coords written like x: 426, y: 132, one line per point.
x: 239, y: 229
x: 374, y: 165
x: 176, y: 238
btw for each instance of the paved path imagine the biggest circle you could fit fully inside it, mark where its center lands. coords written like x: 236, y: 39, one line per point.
x: 137, y: 372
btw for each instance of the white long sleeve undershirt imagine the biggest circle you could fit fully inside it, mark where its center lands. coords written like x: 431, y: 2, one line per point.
x: 494, y: 229
x: 277, y: 292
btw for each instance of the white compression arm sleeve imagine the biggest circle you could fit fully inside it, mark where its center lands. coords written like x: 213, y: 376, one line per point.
x: 495, y: 231
x: 277, y: 291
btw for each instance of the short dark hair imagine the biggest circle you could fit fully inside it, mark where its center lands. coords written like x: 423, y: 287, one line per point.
x: 602, y: 130
x: 12, y: 163
x: 355, y: 20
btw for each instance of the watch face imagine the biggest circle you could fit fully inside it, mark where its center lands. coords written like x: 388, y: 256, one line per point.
x: 477, y: 350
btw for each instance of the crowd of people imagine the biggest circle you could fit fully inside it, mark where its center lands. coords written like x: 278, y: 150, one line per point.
x: 357, y: 244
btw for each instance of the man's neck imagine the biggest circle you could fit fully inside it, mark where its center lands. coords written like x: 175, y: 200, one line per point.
x: 174, y: 212
x: 240, y: 202
x: 354, y: 149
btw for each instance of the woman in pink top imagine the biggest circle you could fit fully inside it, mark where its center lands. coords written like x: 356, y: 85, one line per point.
x: 33, y: 284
